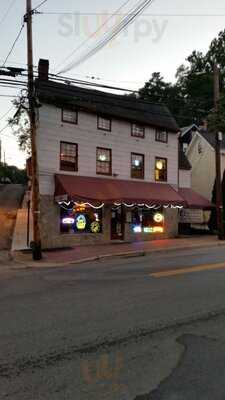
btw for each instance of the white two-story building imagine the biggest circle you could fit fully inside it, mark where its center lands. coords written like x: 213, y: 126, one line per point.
x: 108, y: 167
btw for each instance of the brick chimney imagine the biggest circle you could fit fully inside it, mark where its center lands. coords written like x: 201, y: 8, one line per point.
x: 43, y: 69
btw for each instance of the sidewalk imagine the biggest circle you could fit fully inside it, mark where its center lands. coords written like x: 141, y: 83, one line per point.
x: 83, y: 254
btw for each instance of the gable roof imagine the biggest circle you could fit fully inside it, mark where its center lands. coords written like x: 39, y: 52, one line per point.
x: 189, y: 128
x: 112, y: 105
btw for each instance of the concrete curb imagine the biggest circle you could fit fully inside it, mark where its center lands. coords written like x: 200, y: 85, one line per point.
x: 131, y: 254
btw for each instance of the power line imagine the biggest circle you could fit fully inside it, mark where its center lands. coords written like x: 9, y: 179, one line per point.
x: 14, y: 43
x: 7, y: 95
x: 111, y: 34
x: 94, y: 33
x: 7, y: 12
x: 39, y: 5
x: 4, y: 115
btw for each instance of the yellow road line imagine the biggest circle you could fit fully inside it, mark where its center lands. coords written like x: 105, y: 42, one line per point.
x: 205, y: 267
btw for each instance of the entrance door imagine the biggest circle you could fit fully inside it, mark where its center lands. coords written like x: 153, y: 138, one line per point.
x: 117, y: 224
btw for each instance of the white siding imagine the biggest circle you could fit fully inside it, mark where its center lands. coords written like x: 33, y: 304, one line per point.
x: 203, y: 167
x: 184, y: 178
x: 51, y: 131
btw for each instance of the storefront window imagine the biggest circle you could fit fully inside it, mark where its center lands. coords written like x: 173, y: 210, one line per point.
x: 146, y: 220
x: 80, y: 219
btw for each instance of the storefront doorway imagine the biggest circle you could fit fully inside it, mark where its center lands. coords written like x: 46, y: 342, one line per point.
x: 117, y: 223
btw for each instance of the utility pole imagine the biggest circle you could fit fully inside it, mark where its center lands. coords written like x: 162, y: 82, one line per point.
x: 219, y: 206
x: 36, y: 244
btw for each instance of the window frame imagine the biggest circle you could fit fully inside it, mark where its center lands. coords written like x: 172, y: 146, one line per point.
x: 106, y: 118
x: 110, y: 162
x: 76, y: 163
x: 132, y: 132
x: 66, y: 121
x: 157, y: 158
x: 143, y: 167
x: 158, y: 140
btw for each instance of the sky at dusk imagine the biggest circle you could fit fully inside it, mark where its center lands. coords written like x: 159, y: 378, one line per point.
x: 159, y: 40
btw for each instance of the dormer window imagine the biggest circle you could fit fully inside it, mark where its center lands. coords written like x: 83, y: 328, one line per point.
x: 137, y: 130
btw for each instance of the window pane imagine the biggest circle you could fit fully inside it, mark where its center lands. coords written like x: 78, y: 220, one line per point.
x: 161, y: 169
x: 103, y: 161
x: 137, y: 165
x: 78, y: 221
x: 161, y: 136
x: 104, y: 123
x: 137, y: 130
x: 69, y: 116
x: 68, y: 156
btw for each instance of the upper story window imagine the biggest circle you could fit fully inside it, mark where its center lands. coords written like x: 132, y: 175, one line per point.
x: 161, y: 169
x: 161, y: 136
x: 103, y: 161
x: 137, y: 130
x: 137, y: 166
x: 68, y: 156
x: 104, y: 124
x: 69, y: 116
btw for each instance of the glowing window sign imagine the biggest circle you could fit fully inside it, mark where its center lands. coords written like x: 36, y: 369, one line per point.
x: 68, y: 221
x: 81, y: 222
x: 148, y: 230
x: 158, y: 229
x: 95, y: 227
x: 137, y: 229
x: 158, y: 217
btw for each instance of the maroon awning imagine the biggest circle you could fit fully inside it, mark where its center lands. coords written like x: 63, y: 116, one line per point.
x: 194, y: 200
x: 80, y: 188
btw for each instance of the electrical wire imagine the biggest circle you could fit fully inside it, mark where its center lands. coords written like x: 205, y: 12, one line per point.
x: 111, y: 34
x: 7, y: 95
x: 4, y: 115
x: 7, y: 12
x: 94, y: 33
x: 39, y: 5
x: 14, y: 43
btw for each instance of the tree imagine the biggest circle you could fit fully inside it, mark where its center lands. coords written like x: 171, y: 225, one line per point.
x: 12, y: 174
x: 190, y: 98
x: 20, y: 124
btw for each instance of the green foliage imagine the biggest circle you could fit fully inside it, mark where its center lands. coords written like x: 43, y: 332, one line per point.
x: 190, y: 98
x: 216, y: 119
x: 12, y: 174
x: 21, y: 126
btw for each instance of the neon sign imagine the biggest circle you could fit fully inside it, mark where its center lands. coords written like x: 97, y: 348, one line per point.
x: 137, y: 229
x: 81, y: 222
x: 158, y: 217
x: 68, y: 221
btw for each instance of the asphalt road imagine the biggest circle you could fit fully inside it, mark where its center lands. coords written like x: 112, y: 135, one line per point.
x: 135, y: 329
x: 10, y: 199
